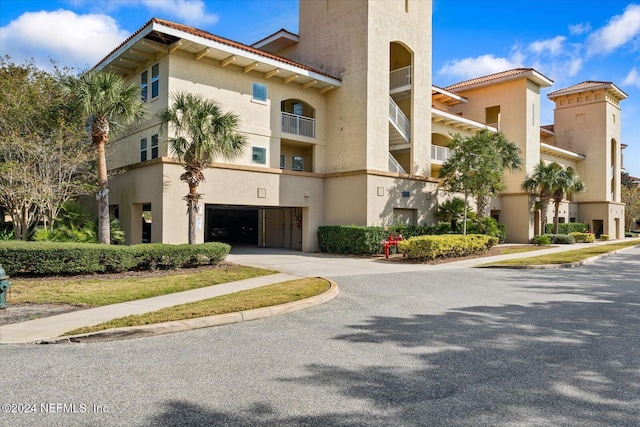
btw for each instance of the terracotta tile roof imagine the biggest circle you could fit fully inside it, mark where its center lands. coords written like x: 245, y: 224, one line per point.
x: 490, y: 78
x: 549, y: 128
x: 206, y: 35
x: 586, y: 85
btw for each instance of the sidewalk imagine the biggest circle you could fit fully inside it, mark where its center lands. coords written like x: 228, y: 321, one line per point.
x: 291, y: 265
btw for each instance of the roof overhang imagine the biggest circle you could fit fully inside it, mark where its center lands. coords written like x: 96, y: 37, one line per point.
x: 157, y: 39
x: 560, y: 152
x: 277, y: 41
x: 609, y: 87
x: 529, y: 74
x: 458, y: 122
x: 439, y: 94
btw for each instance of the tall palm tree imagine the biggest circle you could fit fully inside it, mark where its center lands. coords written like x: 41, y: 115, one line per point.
x: 567, y: 182
x: 541, y: 183
x: 202, y: 132
x: 110, y: 105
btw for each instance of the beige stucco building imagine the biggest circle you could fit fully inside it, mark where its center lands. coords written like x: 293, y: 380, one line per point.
x: 340, y: 131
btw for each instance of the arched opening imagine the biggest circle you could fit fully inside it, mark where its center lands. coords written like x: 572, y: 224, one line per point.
x: 400, y: 83
x: 614, y: 180
x: 298, y: 118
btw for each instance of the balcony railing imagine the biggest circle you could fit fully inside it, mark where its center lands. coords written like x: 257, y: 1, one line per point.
x: 400, y: 121
x: 394, y: 166
x: 298, y: 125
x: 400, y: 78
x: 441, y: 154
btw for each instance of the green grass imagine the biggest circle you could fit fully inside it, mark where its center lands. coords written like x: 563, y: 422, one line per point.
x: 519, y: 249
x: 265, y: 296
x: 566, y: 257
x: 97, y: 291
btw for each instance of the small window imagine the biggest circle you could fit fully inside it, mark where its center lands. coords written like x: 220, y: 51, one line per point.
x: 154, y: 146
x: 144, y: 82
x: 259, y: 92
x: 282, y: 161
x: 259, y: 155
x: 297, y: 163
x: 297, y: 108
x: 143, y: 149
x: 155, y: 81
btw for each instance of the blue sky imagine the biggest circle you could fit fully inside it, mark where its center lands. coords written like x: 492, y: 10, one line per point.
x: 569, y: 41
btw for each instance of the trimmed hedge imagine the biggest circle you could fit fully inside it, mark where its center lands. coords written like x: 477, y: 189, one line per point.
x: 541, y: 240
x: 454, y: 245
x: 54, y: 258
x: 567, y: 227
x: 583, y: 237
x: 561, y: 239
x: 604, y: 237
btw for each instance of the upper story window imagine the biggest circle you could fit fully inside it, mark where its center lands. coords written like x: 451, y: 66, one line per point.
x: 143, y: 149
x: 259, y: 92
x: 155, y: 81
x: 144, y: 83
x: 297, y: 163
x: 154, y: 146
x: 259, y: 155
x: 147, y: 152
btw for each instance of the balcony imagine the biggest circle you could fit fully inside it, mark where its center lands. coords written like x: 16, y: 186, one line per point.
x: 298, y: 125
x: 400, y: 80
x: 440, y: 154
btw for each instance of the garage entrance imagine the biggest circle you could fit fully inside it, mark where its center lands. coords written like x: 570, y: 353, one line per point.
x: 255, y: 226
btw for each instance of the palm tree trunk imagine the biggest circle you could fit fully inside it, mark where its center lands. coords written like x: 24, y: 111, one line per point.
x: 104, y: 231
x: 555, y: 217
x: 192, y: 200
x: 544, y: 208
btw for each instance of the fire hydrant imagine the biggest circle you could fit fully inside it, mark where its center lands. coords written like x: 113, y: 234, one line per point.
x: 4, y: 287
x: 391, y: 241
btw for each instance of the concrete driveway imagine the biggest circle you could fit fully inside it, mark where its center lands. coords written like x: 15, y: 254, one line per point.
x: 452, y: 346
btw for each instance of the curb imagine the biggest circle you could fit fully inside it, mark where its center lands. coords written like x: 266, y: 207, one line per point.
x: 557, y: 266
x: 196, y: 323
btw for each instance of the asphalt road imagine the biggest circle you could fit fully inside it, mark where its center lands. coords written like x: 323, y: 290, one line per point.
x: 455, y: 347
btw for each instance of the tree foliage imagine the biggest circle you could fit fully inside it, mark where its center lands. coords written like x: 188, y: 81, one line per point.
x: 477, y: 166
x: 539, y: 184
x: 109, y: 105
x: 631, y: 198
x: 44, y: 158
x: 201, y: 133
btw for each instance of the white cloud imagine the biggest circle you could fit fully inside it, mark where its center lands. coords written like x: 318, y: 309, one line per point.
x: 78, y: 41
x: 553, y: 46
x: 620, y: 30
x: 469, y: 68
x: 632, y: 79
x: 581, y: 28
x: 192, y: 12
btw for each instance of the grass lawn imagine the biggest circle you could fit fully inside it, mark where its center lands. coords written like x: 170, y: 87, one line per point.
x: 97, y: 291
x: 519, y: 249
x: 565, y: 257
x: 265, y: 296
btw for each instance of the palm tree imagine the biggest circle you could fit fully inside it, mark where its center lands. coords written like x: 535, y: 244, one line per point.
x: 452, y: 211
x: 110, y: 105
x: 566, y: 182
x: 541, y: 184
x: 202, y: 132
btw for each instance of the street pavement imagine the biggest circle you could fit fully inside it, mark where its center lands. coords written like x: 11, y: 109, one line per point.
x: 450, y: 346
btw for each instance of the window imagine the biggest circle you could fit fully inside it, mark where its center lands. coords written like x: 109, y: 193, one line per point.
x: 297, y: 163
x: 144, y: 82
x: 259, y: 155
x: 143, y: 149
x: 155, y: 81
x: 282, y: 161
x: 297, y: 108
x: 154, y: 146
x: 259, y: 92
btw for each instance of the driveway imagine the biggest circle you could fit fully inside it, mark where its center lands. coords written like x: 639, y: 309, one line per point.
x: 453, y: 346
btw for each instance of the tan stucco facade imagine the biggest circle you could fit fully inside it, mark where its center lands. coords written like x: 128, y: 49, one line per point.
x: 339, y: 130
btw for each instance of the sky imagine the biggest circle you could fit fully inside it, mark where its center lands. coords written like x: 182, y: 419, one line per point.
x: 568, y: 41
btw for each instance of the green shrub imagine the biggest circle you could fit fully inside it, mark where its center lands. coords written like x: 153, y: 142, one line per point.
x: 567, y: 227
x: 561, y: 239
x: 625, y: 235
x: 54, y: 258
x: 604, y: 237
x: 583, y: 237
x: 541, y: 240
x: 432, y: 247
x: 489, y: 226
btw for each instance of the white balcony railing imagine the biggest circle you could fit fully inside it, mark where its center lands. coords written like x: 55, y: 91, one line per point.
x: 440, y: 154
x: 394, y: 166
x: 400, y: 78
x: 298, y: 125
x: 400, y: 121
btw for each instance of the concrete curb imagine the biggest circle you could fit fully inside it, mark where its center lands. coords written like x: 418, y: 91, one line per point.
x: 196, y: 323
x: 557, y: 266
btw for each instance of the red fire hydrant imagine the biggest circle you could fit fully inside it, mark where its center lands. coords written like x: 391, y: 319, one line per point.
x: 391, y: 241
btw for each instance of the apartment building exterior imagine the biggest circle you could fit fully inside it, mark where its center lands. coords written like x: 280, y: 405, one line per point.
x: 341, y: 129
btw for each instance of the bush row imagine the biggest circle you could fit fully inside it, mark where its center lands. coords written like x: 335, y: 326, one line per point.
x: 52, y: 258
x: 567, y: 227
x: 583, y: 237
x: 361, y: 240
x: 453, y: 245
x: 555, y: 239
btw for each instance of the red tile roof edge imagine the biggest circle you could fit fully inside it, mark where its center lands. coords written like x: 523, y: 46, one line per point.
x: 491, y: 77
x: 205, y: 34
